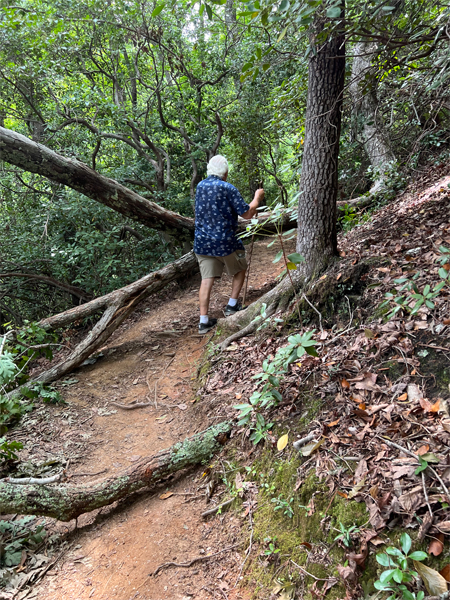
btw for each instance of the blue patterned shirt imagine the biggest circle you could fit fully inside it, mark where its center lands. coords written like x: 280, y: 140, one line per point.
x: 217, y: 206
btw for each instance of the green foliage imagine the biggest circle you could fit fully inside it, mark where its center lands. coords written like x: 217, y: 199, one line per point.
x: 11, y: 409
x: 348, y: 217
x: 284, y: 505
x: 17, y: 536
x: 17, y: 349
x: 445, y: 255
x: 271, y: 549
x: 270, y: 378
x: 264, y: 320
x: 8, y: 449
x: 346, y: 534
x: 398, y: 572
x: 8, y: 368
x: 44, y: 392
x: 414, y: 298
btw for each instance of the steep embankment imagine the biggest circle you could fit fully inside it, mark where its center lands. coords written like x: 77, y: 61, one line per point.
x: 374, y: 399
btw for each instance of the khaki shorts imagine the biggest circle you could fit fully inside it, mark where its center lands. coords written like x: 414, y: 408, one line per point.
x: 212, y: 266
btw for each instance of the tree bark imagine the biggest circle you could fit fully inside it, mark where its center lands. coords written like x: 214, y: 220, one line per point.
x: 153, y: 282
x: 317, y: 238
x: 363, y: 90
x: 119, y: 305
x: 20, y: 151
x: 66, y: 502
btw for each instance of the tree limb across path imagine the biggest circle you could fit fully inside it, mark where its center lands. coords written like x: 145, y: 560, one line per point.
x: 66, y: 502
x: 22, y: 152
x: 117, y: 306
x: 28, y: 155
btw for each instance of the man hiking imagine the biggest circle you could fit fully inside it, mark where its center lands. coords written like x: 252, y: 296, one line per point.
x: 217, y: 206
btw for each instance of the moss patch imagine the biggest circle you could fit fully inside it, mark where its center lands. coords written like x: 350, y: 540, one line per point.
x: 308, y: 537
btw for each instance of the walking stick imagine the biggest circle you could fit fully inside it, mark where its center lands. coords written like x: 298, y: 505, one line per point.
x: 261, y: 185
x: 248, y: 270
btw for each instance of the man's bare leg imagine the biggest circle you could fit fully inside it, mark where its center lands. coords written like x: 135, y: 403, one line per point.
x: 205, y: 294
x: 238, y: 282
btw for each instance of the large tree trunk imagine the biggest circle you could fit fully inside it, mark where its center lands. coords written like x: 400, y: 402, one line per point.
x: 317, y: 238
x: 20, y: 151
x: 363, y: 89
x: 66, y: 502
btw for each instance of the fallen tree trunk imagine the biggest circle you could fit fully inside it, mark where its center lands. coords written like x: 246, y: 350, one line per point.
x: 22, y: 152
x: 152, y: 282
x: 119, y: 305
x: 66, y: 502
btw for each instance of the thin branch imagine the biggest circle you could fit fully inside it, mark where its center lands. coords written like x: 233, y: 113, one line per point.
x: 191, y: 562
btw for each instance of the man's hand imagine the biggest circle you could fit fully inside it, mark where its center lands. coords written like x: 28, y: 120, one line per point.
x: 257, y: 198
x: 259, y: 195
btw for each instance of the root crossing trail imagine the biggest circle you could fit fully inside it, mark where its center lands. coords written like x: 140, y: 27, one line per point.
x: 112, y: 552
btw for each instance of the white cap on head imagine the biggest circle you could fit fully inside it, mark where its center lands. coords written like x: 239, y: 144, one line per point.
x: 218, y: 165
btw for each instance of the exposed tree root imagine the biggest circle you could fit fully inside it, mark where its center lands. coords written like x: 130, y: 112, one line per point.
x: 276, y: 300
x: 317, y: 297
x: 66, y: 502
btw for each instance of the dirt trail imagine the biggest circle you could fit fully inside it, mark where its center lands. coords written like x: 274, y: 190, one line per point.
x: 153, y: 358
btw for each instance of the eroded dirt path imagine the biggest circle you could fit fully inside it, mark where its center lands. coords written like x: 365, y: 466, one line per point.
x: 152, y: 359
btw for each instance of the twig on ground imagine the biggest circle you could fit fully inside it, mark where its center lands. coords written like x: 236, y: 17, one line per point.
x: 347, y: 329
x: 405, y: 358
x: 85, y: 420
x: 32, y: 480
x: 150, y: 391
x: 249, y: 549
x: 223, y: 593
x: 314, y: 308
x: 191, y: 562
x: 309, y: 574
x: 426, y: 494
x: 444, y: 487
x: 343, y: 332
x: 212, y: 511
x: 434, y: 347
x: 132, y: 405
x: 304, y: 441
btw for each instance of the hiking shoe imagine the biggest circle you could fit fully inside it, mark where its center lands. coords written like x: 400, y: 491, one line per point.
x: 231, y: 310
x: 205, y: 327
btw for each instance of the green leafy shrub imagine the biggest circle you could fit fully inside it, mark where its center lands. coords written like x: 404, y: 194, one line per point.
x: 412, y: 298
x: 16, y: 536
x: 17, y: 349
x: 398, y: 573
x: 271, y: 378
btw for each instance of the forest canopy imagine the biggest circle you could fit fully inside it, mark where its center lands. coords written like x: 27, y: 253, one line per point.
x: 144, y: 93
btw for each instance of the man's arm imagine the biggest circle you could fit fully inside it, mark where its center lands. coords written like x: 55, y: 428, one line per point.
x: 258, y: 197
